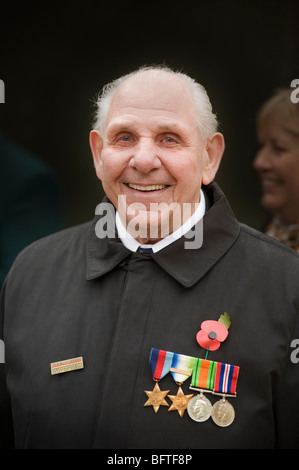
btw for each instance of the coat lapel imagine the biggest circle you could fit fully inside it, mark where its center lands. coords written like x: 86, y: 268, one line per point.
x: 220, y: 231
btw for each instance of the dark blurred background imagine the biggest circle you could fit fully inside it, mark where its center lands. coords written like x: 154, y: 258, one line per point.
x: 55, y: 57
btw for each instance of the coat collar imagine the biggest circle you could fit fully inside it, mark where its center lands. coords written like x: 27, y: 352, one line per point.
x: 187, y: 266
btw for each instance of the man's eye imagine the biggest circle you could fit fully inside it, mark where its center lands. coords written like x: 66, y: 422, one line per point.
x: 168, y: 139
x: 125, y: 138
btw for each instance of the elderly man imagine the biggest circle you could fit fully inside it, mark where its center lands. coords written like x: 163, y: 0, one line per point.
x: 122, y: 332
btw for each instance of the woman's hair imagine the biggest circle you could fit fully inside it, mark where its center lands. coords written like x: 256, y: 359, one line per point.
x: 280, y: 110
x: 206, y: 120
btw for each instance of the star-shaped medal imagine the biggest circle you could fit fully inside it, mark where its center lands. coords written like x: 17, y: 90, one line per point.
x: 156, y: 398
x: 179, y: 402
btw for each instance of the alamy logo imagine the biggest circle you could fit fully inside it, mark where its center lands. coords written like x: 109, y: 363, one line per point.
x: 152, y: 224
x: 295, y: 93
x: 294, y: 354
x: 2, y: 91
x: 2, y: 356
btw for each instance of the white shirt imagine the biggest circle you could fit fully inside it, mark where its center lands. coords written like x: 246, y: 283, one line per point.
x: 132, y: 244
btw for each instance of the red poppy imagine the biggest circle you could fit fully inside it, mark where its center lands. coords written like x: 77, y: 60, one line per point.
x: 212, y: 333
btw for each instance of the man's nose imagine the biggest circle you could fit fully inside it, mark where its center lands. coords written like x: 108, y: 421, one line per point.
x: 145, y: 157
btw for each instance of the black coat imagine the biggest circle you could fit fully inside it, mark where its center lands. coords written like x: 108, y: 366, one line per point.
x: 73, y: 294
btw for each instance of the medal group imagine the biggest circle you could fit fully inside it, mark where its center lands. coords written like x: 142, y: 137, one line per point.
x: 207, y: 376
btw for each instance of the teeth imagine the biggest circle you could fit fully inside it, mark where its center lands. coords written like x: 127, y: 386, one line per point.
x: 152, y: 187
x: 269, y: 181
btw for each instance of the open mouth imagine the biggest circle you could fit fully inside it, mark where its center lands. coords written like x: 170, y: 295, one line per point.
x: 151, y: 187
x: 268, y: 183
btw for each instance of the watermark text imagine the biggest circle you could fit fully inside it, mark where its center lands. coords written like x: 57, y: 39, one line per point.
x: 2, y: 352
x: 295, y: 93
x: 155, y: 222
x: 295, y: 354
x: 2, y: 91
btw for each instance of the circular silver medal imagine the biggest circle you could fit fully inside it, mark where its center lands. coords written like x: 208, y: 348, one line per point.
x: 223, y: 413
x: 199, y: 408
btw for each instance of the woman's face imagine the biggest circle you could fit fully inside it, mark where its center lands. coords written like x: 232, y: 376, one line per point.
x: 277, y: 164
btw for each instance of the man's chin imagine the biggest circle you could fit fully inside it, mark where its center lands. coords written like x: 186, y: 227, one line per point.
x: 149, y: 227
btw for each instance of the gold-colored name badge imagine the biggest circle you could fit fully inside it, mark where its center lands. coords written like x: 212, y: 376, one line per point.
x: 66, y: 366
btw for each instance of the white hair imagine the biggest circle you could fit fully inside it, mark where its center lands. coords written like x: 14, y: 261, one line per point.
x: 206, y: 120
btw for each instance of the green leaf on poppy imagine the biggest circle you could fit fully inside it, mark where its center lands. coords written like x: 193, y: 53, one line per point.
x: 225, y: 319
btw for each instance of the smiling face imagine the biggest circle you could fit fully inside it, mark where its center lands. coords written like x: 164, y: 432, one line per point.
x: 277, y: 164
x: 152, y: 151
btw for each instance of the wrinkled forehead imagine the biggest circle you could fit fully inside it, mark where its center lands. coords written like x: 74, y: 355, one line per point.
x: 152, y: 90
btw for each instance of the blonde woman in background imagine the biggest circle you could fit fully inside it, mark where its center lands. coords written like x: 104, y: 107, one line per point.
x: 277, y: 164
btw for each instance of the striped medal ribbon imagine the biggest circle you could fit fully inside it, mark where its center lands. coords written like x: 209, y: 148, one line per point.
x: 182, y: 367
x: 181, y: 370
x: 203, y: 376
x: 160, y: 362
x: 225, y: 384
x: 226, y: 377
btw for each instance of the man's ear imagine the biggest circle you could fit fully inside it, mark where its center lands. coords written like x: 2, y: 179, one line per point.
x: 96, y: 145
x: 214, y: 151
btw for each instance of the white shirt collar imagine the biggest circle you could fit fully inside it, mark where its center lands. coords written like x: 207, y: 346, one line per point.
x: 133, y: 244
